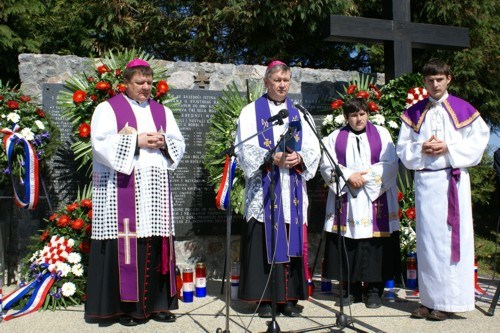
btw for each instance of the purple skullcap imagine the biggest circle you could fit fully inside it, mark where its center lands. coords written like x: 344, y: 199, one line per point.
x: 137, y: 62
x: 275, y: 63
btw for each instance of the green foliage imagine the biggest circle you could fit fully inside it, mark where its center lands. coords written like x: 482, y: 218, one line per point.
x: 482, y: 178
x: 221, y: 136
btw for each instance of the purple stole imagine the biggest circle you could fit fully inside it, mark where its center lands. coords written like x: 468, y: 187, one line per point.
x: 462, y: 114
x: 290, y: 246
x: 380, y: 209
x: 127, y: 237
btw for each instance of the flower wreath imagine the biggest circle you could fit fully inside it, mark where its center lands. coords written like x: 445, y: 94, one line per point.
x: 85, y: 91
x: 29, y: 137
x: 361, y: 87
x: 53, y: 276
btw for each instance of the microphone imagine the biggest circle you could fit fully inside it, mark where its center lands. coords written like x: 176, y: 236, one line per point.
x: 282, y: 114
x: 301, y: 108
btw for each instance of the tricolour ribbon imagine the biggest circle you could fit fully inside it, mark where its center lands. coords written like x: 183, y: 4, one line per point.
x: 222, y: 198
x: 30, y: 179
x: 40, y: 287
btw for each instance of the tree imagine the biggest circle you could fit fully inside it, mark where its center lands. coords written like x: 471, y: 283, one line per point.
x: 17, y: 34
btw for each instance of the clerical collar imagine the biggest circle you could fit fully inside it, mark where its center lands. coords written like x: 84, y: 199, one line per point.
x: 276, y: 102
x: 357, y: 132
x: 142, y: 104
x: 442, y: 99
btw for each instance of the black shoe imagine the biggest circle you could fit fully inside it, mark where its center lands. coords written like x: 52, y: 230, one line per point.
x: 128, y: 321
x: 290, y: 310
x: 265, y: 310
x: 373, y: 301
x: 166, y: 317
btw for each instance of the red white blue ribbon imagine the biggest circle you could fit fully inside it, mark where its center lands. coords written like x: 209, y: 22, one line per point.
x: 40, y: 287
x: 30, y: 179
x: 222, y: 198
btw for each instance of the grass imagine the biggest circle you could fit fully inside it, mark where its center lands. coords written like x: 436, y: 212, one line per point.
x: 486, y: 249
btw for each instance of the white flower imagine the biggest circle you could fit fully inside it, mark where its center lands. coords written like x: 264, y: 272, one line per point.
x: 64, y: 268
x: 392, y: 124
x: 378, y: 119
x: 74, y: 258
x: 77, y: 270
x: 328, y: 120
x: 27, y: 133
x: 39, y: 124
x: 71, y: 242
x: 340, y: 119
x: 14, y: 117
x: 68, y: 289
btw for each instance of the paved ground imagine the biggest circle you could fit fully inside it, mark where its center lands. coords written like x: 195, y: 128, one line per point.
x: 208, y: 315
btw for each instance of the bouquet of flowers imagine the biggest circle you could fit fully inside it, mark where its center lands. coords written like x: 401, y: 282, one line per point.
x: 85, y: 91
x: 62, y: 250
x: 23, y: 125
x: 361, y: 87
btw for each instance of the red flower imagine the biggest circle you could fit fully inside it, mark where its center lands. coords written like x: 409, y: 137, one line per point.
x: 352, y: 88
x: 337, y: 104
x: 25, y: 99
x: 162, y: 87
x: 53, y: 217
x: 40, y: 112
x: 90, y: 79
x: 121, y: 87
x: 63, y: 221
x: 372, y: 106
x: 410, y: 213
x: 103, y: 69
x: 111, y: 93
x: 84, y: 130
x: 400, y: 213
x: 77, y: 224
x: 72, y: 207
x: 86, y: 203
x: 79, y: 96
x: 401, y: 196
x: 118, y: 72
x: 363, y: 94
x: 2, y: 98
x: 85, y: 246
x: 44, y: 236
x: 89, y: 214
x: 88, y: 229
x: 102, y: 85
x: 84, y: 297
x: 13, y: 105
x: 93, y: 98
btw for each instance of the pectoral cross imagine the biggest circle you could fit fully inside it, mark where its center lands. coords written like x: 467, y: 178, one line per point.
x: 126, y: 235
x: 296, y: 201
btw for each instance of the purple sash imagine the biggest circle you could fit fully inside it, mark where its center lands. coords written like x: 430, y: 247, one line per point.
x: 290, y: 246
x: 454, y: 214
x: 461, y: 113
x: 127, y: 237
x: 380, y: 209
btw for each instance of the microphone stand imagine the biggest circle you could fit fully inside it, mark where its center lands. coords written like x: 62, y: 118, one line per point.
x: 337, y: 174
x: 230, y: 152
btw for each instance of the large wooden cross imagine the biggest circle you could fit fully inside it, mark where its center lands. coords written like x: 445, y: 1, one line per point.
x: 398, y: 34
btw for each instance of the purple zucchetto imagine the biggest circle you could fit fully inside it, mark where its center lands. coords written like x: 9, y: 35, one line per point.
x: 137, y: 62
